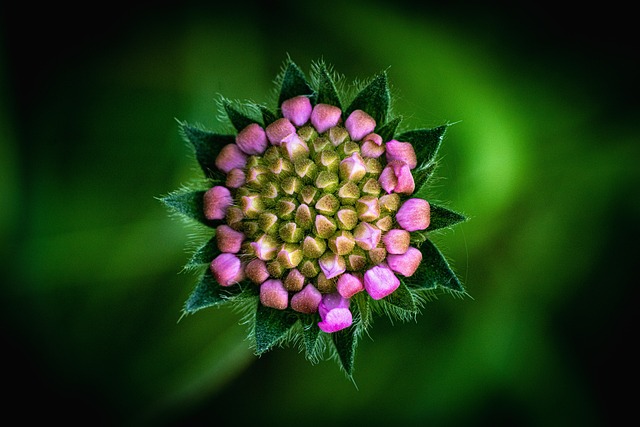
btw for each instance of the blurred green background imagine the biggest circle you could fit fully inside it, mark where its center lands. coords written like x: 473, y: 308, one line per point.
x: 543, y: 159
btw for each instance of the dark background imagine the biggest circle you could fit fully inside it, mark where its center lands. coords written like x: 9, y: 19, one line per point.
x: 543, y: 159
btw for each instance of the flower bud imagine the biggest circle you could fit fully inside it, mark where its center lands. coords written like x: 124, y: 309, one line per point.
x: 295, y: 147
x: 397, y: 177
x: 348, y: 193
x: 256, y: 271
x: 384, y: 223
x: 279, y: 130
x: 356, y: 261
x: 325, y: 285
x: 341, y: 243
x: 371, y: 187
x: 349, y: 284
x: 313, y: 247
x: 396, y: 241
x: 371, y: 149
x: 328, y: 204
x: 352, y: 168
x: 322, y: 144
x: 228, y: 239
x: 348, y: 148
x: 269, y: 193
x: 306, y: 169
x: 297, y: 110
x: 265, y: 248
x: 250, y: 228
x: 334, y: 313
x: 304, y: 216
x: 368, y: 208
x: 252, y: 139
x: 367, y: 236
x: 332, y: 265
x: 294, y: 280
x: 329, y: 159
x: 374, y: 167
x: 273, y: 294
x: 251, y: 205
x: 256, y: 176
x: 389, y: 202
x: 307, y: 300
x: 338, y: 135
x: 307, y: 132
x: 291, y: 185
x: 234, y: 217
x: 377, y: 255
x: 227, y: 269
x: 268, y: 222
x: 380, y: 281
x: 324, y: 117
x: 286, y: 208
x: 414, y: 215
x: 346, y: 218
x: 406, y: 263
x: 216, y: 202
x: 359, y: 124
x: 230, y: 157
x: 275, y: 269
x: 327, y: 181
x: 403, y: 151
x: 290, y: 232
x: 309, y: 195
x: 235, y: 178
x: 290, y: 255
x: 309, y: 268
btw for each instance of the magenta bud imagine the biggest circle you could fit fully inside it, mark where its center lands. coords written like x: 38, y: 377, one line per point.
x: 396, y: 241
x: 349, y: 284
x: 396, y: 177
x: 273, y: 294
x: 256, y: 271
x: 297, y: 110
x: 359, y: 124
x: 406, y: 263
x: 332, y: 265
x: 252, y: 139
x: 236, y: 178
x: 380, y: 281
x: 403, y: 151
x: 216, y: 202
x: 368, y: 208
x: 307, y: 300
x: 414, y: 215
x: 371, y: 150
x: 228, y: 239
x: 324, y: 117
x: 279, y: 130
x: 227, y: 269
x: 230, y: 157
x: 366, y: 236
x: 334, y: 313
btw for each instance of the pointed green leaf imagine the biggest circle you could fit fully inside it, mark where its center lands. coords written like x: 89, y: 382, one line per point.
x: 426, y: 142
x: 271, y: 327
x: 204, y: 254
x: 403, y: 299
x: 238, y: 118
x: 346, y: 342
x: 294, y: 83
x: 434, y: 271
x: 268, y: 116
x: 388, y: 130
x: 442, y: 217
x: 374, y: 99
x: 188, y: 204
x: 310, y: 334
x: 209, y: 293
x: 207, y: 145
x: 327, y: 92
x: 421, y: 176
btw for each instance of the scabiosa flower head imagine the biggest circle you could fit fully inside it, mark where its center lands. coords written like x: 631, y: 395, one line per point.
x: 318, y: 212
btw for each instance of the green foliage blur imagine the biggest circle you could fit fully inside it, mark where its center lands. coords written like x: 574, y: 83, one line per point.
x: 543, y: 158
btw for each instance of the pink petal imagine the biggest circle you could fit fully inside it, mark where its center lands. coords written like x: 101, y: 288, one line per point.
x: 404, y: 151
x: 297, y: 110
x: 230, y: 157
x: 406, y: 263
x: 216, y: 202
x: 307, y: 300
x: 279, y: 130
x: 228, y: 239
x: 359, y: 124
x: 380, y: 281
x: 324, y: 117
x: 252, y: 139
x: 414, y: 214
x: 273, y: 294
x: 227, y: 269
x: 349, y: 284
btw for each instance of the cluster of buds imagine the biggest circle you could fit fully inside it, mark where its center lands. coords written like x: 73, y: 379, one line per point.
x: 316, y: 208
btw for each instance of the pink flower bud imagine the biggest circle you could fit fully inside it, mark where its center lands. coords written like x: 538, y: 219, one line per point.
x: 297, y: 110
x: 332, y: 265
x: 414, y: 215
x: 279, y: 130
x: 227, y: 269
x: 349, y: 284
x: 371, y: 149
x: 230, y: 157
x: 265, y: 248
x: 396, y: 241
x: 352, y: 168
x: 334, y: 313
x: 401, y: 151
x: 295, y: 147
x: 359, y: 124
x: 368, y: 208
x: 235, y: 178
x: 228, y: 239
x: 256, y: 271
x: 216, y: 201
x: 366, y: 236
x: 374, y: 138
x: 324, y: 117
x: 307, y: 300
x: 380, y: 281
x: 274, y: 295
x: 396, y: 177
x: 406, y: 263
x: 252, y: 139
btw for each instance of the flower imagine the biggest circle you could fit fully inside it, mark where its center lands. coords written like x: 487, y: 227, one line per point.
x: 319, y: 214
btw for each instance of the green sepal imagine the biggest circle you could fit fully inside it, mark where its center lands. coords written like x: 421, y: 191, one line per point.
x: 271, y: 327
x: 294, y: 83
x: 374, y: 99
x: 326, y: 88
x: 188, y: 204
x: 207, y: 145
x: 209, y: 293
x: 433, y: 272
x: 238, y: 118
x: 204, y: 254
x: 268, y: 116
x: 426, y: 142
x: 388, y: 130
x: 402, y: 299
x: 345, y: 343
